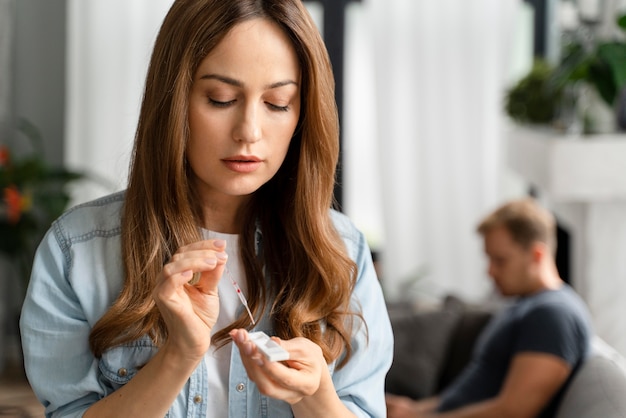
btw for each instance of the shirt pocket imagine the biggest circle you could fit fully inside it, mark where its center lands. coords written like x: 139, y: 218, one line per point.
x: 120, y: 364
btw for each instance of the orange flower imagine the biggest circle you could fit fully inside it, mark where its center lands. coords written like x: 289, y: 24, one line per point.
x: 4, y: 155
x: 13, y: 199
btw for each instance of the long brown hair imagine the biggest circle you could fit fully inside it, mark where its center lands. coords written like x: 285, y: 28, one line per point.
x: 310, y: 274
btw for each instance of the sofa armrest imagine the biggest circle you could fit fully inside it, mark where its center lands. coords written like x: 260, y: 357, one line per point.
x: 599, y: 388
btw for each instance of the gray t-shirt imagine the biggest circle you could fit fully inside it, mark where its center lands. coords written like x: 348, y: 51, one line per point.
x: 553, y: 321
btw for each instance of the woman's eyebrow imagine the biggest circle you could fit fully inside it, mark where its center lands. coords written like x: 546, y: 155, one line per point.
x: 223, y: 79
x: 238, y: 83
x: 281, y: 84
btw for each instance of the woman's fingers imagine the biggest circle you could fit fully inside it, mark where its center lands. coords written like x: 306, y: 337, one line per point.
x: 290, y: 380
x: 207, y: 244
x: 190, y: 312
x: 203, y: 262
x: 180, y: 302
x: 209, y: 279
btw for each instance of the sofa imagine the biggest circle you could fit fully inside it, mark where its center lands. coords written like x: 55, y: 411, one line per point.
x: 432, y: 345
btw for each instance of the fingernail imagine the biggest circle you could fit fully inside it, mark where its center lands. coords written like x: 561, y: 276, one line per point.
x: 210, y: 261
x: 187, y: 273
x: 259, y: 361
x: 236, y: 336
x: 219, y: 243
x: 221, y: 256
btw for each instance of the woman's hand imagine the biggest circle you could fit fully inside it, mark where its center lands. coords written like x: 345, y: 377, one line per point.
x: 291, y: 380
x: 190, y: 311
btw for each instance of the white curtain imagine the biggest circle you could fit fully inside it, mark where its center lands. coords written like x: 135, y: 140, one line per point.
x: 439, y: 71
x: 109, y: 45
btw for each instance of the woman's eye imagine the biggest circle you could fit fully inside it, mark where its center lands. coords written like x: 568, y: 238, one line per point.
x: 278, y: 108
x: 218, y: 103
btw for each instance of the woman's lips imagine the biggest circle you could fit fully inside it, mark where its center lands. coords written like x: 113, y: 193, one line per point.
x: 242, y: 164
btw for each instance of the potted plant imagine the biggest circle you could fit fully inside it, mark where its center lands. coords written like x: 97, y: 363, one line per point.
x: 532, y: 100
x: 584, y: 92
x: 599, y: 64
x: 33, y: 195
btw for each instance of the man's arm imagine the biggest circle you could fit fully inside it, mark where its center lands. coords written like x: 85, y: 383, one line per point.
x: 532, y: 380
x: 405, y: 407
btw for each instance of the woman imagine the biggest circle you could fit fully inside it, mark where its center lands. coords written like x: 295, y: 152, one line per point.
x: 133, y: 305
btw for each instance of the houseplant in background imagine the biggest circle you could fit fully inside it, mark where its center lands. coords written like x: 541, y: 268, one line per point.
x: 599, y: 64
x: 33, y: 195
x: 532, y: 100
x: 585, y: 92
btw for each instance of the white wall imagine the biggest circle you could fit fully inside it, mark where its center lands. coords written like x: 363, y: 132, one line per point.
x: 38, y: 80
x: 7, y: 9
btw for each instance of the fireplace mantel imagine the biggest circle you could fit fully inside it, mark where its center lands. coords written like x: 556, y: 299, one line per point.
x: 570, y: 168
x: 582, y: 179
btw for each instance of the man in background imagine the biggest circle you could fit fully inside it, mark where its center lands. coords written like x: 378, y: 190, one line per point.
x: 528, y: 354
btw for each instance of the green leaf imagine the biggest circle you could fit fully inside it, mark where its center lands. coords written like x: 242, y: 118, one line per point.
x: 51, y: 205
x: 29, y: 170
x: 621, y: 21
x: 614, y: 54
x: 573, y: 67
x: 63, y: 175
x: 600, y: 76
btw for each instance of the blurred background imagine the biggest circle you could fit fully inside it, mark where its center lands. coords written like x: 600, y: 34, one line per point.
x: 448, y: 108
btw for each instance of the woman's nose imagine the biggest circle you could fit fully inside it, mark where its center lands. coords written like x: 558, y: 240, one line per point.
x: 248, y: 127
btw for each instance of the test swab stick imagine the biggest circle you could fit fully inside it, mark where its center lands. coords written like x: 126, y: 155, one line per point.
x: 270, y: 348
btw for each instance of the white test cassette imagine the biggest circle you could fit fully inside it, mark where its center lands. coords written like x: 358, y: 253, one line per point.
x: 270, y: 348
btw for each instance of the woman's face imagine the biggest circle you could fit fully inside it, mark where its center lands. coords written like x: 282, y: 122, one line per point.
x: 244, y: 106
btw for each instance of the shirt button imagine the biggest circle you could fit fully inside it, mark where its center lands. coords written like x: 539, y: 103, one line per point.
x: 197, y: 399
x: 122, y: 372
x: 240, y: 387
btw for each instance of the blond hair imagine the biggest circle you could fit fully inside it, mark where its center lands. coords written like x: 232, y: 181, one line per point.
x: 526, y: 221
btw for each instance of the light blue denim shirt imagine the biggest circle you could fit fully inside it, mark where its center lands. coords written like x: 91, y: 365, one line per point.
x: 77, y: 274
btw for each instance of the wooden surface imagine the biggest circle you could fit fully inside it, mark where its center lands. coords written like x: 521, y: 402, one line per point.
x: 16, y: 397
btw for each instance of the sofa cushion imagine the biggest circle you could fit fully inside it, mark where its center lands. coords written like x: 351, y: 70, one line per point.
x: 421, y: 342
x: 599, y: 388
x: 467, y: 330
